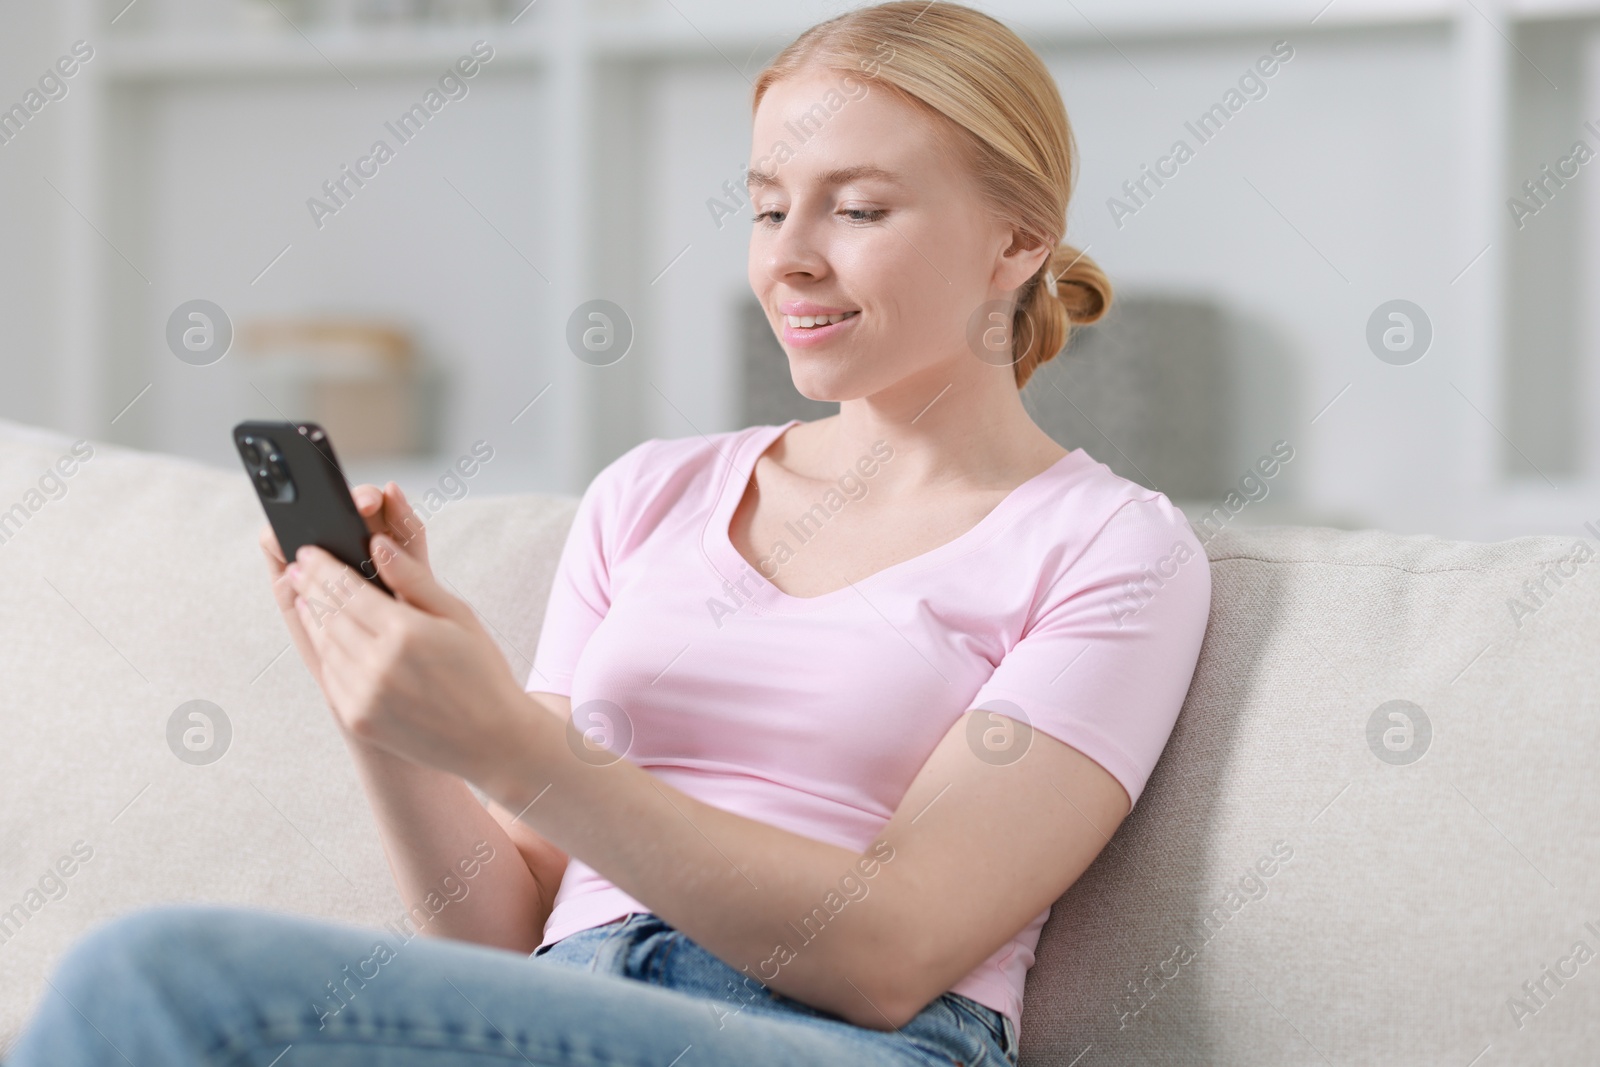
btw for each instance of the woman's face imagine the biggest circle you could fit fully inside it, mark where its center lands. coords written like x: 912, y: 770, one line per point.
x: 863, y: 212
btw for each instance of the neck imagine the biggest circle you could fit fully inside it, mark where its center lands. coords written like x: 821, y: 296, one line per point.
x: 967, y: 429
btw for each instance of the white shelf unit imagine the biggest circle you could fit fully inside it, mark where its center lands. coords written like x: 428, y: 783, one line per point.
x: 599, y: 60
x: 231, y: 55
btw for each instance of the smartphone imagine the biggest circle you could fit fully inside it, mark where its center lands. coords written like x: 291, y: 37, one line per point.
x: 304, y: 493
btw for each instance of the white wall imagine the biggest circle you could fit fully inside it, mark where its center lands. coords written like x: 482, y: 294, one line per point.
x: 30, y: 40
x: 1346, y: 144
x: 699, y: 129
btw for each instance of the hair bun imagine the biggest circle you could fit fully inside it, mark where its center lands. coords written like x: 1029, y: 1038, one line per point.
x: 1070, y: 290
x: 1079, y: 284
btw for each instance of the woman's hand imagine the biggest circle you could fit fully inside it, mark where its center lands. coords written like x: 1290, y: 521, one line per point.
x: 417, y: 675
x: 386, y: 511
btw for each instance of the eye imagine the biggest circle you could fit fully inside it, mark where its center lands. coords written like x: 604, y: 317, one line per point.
x: 774, y: 216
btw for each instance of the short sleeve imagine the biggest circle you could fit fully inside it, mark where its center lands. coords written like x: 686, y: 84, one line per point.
x: 1107, y: 660
x: 580, y: 595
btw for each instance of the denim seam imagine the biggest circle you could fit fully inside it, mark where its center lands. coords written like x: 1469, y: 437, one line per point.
x: 658, y: 966
x: 439, y: 1040
x: 996, y: 1031
x: 600, y: 949
x: 1002, y: 1041
x: 237, y: 1047
x: 931, y: 1049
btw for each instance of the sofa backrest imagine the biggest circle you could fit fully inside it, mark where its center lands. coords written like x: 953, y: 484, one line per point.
x: 1376, y: 819
x: 1405, y: 904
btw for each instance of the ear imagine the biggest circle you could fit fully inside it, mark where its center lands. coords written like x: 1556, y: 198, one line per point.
x: 1019, y: 262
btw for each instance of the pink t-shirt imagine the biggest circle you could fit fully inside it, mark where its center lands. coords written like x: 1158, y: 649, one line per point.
x: 1081, y: 599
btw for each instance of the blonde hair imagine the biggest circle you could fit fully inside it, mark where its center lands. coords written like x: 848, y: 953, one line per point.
x: 1011, y: 128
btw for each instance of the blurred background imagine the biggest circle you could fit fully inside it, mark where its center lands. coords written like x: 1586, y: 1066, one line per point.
x: 1381, y: 256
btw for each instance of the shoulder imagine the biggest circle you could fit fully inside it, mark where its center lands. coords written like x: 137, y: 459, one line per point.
x: 661, y: 475
x: 1097, y: 529
x: 1102, y: 509
x: 658, y: 461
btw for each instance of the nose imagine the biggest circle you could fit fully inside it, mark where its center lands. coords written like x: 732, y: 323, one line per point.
x: 795, y: 248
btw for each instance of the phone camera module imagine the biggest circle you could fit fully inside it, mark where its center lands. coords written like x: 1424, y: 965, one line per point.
x: 265, y: 464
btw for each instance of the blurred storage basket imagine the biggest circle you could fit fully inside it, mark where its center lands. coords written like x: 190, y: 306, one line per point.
x: 361, y: 380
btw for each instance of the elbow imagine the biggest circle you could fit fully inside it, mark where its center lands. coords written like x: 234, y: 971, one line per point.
x: 892, y: 1007
x: 902, y: 1014
x: 890, y: 986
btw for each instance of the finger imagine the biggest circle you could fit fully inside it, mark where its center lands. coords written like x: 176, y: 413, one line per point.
x: 339, y: 680
x: 330, y: 640
x: 369, y: 502
x: 336, y: 591
x: 413, y: 581
x: 283, y: 594
x: 339, y: 595
x: 303, y: 642
x: 283, y: 590
x: 405, y: 525
x: 304, y: 611
x: 269, y: 547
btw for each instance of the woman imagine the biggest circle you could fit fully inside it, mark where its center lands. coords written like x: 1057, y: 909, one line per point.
x: 886, y: 682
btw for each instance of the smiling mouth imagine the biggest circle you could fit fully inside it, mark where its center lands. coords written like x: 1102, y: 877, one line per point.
x: 808, y: 322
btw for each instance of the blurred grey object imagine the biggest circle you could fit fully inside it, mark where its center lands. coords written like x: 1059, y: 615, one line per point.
x: 1146, y: 391
x: 389, y: 11
x: 266, y: 16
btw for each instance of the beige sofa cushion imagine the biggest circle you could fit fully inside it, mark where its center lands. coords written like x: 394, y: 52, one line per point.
x: 1417, y: 899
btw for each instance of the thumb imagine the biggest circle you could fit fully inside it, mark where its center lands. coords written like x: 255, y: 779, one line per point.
x: 414, y: 582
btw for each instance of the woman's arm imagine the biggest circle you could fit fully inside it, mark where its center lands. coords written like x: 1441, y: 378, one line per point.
x: 430, y: 824
x: 433, y: 827
x: 975, y: 851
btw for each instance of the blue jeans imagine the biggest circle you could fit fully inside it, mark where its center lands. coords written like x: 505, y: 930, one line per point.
x: 181, y: 985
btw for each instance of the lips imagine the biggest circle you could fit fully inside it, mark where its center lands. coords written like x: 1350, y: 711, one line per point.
x: 811, y: 307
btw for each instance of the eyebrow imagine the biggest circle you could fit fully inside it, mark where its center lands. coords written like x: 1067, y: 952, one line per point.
x: 840, y: 176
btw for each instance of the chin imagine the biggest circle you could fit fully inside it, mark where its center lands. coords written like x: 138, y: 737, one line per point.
x: 821, y: 395
x: 820, y: 387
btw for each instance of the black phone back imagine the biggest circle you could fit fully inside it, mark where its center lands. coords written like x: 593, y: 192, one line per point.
x: 303, y: 490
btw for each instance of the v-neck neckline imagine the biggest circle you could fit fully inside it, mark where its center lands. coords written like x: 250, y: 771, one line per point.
x: 717, y: 541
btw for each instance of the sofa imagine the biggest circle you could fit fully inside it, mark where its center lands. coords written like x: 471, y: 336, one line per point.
x: 1374, y: 837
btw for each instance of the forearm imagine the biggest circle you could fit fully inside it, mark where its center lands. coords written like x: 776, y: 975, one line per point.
x: 766, y: 900
x: 433, y: 827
